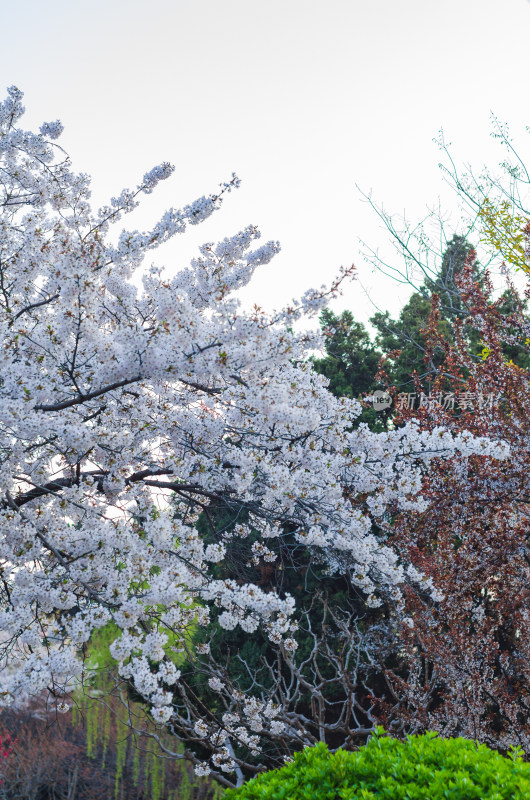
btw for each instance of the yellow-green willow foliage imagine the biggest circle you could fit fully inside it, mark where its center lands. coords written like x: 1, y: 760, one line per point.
x: 506, y: 232
x: 134, y: 758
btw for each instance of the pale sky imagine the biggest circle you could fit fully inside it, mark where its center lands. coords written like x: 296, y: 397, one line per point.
x: 303, y: 100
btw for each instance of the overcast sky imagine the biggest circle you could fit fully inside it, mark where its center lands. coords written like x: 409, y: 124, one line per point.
x: 304, y: 99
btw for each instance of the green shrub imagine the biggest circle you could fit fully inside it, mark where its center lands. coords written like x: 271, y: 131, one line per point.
x: 419, y: 768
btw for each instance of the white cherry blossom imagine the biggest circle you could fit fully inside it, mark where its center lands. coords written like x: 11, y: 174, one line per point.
x: 125, y: 413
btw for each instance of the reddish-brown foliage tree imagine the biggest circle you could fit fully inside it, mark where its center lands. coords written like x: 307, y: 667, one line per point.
x: 50, y: 761
x: 464, y: 665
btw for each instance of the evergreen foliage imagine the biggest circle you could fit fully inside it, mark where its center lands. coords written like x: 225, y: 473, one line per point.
x: 351, y: 362
x: 404, y: 334
x: 351, y: 359
x: 408, y: 332
x: 445, y: 285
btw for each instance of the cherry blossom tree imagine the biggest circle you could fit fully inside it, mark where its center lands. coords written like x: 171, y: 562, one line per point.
x: 126, y: 413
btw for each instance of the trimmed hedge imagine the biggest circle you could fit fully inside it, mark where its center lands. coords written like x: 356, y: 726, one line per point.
x: 423, y: 767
